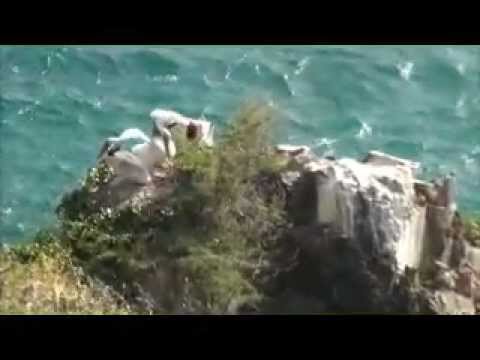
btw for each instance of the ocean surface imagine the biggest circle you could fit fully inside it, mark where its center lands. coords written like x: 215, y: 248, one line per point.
x: 57, y: 104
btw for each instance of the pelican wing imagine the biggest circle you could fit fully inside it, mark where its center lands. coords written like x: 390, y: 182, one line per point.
x: 132, y: 134
x: 139, y: 148
x: 163, y: 118
x: 150, y: 153
x: 209, y: 138
x: 128, y: 166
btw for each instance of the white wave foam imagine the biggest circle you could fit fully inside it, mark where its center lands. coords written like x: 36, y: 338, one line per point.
x: 406, y: 69
x: 60, y: 57
x: 460, y: 102
x: 476, y: 150
x: 97, y: 104
x: 169, y: 78
x: 324, y: 142
x: 7, y: 211
x: 211, y: 83
x: 64, y: 167
x: 49, y: 62
x: 27, y: 109
x: 241, y: 60
x: 257, y: 69
x: 228, y: 73
x: 461, y: 68
x: 460, y: 109
x: 364, y: 131
x: 468, y: 161
x: 81, y: 121
x: 232, y: 67
x: 15, y: 69
x: 290, y: 90
x: 301, y: 65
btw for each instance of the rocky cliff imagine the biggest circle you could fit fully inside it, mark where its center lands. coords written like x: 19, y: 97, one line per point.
x: 404, y: 236
x: 364, y: 236
x: 245, y: 227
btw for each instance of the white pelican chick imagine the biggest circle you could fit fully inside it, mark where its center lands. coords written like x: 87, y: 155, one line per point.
x: 139, y: 163
x: 197, y: 130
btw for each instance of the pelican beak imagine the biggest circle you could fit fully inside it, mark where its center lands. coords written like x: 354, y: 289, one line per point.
x: 113, y: 148
x: 104, y: 149
x: 171, y: 125
x: 109, y: 148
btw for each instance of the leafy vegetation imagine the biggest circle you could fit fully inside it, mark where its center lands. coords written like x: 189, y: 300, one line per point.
x: 208, y: 240
x: 472, y: 230
x: 41, y: 278
x: 199, y: 250
x: 225, y: 260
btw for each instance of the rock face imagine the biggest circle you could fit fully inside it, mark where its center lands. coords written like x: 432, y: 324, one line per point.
x: 363, y: 234
x: 379, y: 202
x: 473, y: 257
x: 110, y: 194
x: 401, y: 227
x: 449, y: 302
x: 373, y: 201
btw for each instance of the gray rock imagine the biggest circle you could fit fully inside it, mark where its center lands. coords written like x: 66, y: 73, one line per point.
x: 473, y: 257
x: 300, y: 155
x: 371, y: 202
x: 380, y: 158
x: 448, y: 302
x: 290, y: 177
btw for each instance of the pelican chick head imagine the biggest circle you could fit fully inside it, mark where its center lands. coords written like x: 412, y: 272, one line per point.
x: 163, y: 134
x: 160, y: 125
x: 192, y: 131
x: 109, y: 148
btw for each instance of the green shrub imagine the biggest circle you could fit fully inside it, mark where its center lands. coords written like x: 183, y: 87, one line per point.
x: 216, y: 227
x: 472, y: 230
x: 40, y: 278
x: 225, y: 259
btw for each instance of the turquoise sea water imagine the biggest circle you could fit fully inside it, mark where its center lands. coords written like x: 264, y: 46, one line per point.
x: 57, y: 104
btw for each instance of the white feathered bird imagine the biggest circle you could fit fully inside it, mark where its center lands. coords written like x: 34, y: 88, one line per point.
x: 196, y: 129
x: 139, y: 163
